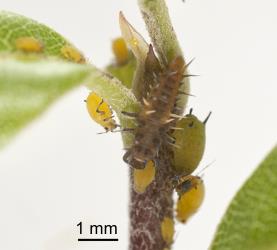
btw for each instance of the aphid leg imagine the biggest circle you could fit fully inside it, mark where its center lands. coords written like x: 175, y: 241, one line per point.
x: 97, y: 110
x: 126, y: 156
x: 124, y: 130
x: 130, y: 114
x: 108, y: 118
x: 207, y: 118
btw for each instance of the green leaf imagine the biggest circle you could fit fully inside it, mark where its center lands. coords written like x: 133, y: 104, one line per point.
x: 14, y: 26
x: 30, y: 82
x: 27, y: 87
x: 251, y: 219
x: 124, y: 73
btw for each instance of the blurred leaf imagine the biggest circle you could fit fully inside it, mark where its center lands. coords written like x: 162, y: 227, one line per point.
x: 31, y: 80
x: 27, y: 87
x: 14, y: 26
x: 251, y: 219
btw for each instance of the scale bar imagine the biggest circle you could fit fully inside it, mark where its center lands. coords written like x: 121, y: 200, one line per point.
x: 98, y: 239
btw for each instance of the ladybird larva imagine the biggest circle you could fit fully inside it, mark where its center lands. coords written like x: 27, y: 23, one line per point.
x: 155, y: 118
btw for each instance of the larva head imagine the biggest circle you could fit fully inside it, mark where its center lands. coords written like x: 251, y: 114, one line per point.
x: 191, y: 194
x: 144, y: 177
x: 190, y: 141
x: 100, y: 111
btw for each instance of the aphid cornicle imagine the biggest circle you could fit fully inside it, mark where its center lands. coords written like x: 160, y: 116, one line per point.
x: 100, y: 111
x: 157, y: 114
x: 190, y: 141
x: 191, y: 193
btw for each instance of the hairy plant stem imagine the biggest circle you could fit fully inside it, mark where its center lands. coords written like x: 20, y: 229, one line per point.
x: 147, y: 210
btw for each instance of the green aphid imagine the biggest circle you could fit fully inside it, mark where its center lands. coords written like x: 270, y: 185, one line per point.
x: 190, y: 140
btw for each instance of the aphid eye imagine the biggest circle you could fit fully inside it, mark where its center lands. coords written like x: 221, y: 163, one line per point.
x: 191, y: 196
x: 191, y: 124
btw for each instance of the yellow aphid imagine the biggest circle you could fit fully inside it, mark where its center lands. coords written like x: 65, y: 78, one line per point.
x: 100, y: 111
x: 190, y: 141
x: 144, y: 177
x: 167, y: 229
x: 120, y: 51
x: 191, y: 194
x: 72, y: 54
x: 28, y: 44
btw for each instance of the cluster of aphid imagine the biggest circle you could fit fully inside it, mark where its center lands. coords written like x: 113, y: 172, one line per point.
x: 157, y: 122
x: 34, y: 45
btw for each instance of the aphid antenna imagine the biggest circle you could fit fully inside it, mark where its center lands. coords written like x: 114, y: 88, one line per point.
x: 203, y: 169
x: 121, y: 130
x: 190, y: 111
x: 207, y: 118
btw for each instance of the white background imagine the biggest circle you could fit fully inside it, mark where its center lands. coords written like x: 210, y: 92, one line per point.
x: 58, y: 172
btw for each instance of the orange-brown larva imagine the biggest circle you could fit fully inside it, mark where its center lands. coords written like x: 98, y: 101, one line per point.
x: 157, y: 115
